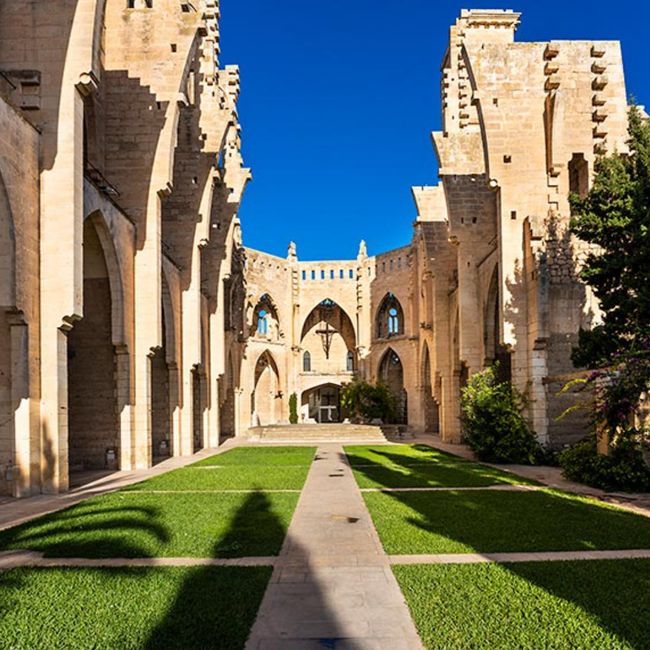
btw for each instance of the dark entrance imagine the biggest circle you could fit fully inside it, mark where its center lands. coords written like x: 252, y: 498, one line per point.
x: 323, y: 404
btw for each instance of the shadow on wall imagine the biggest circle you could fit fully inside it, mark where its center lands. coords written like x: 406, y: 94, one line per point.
x: 477, y: 519
x: 547, y: 307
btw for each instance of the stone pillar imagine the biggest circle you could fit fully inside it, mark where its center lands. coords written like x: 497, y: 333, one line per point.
x: 174, y: 394
x: 124, y: 405
x: 20, y: 398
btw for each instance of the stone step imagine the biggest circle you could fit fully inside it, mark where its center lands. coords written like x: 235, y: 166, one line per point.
x: 363, y: 434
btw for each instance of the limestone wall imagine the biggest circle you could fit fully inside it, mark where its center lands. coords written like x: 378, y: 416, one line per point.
x: 19, y: 307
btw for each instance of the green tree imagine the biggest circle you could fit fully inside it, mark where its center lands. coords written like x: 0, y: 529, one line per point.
x: 368, y: 401
x: 614, y: 218
x: 293, y: 409
x: 493, y: 424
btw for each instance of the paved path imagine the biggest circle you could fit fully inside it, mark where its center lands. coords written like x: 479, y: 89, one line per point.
x: 492, y: 488
x: 332, y: 585
x: 505, y: 558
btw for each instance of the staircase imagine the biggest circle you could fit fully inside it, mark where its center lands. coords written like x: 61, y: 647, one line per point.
x: 312, y: 433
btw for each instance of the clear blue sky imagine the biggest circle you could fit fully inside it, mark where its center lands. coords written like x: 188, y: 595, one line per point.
x: 339, y: 98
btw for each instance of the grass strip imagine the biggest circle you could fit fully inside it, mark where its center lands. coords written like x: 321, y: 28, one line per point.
x: 490, y: 521
x: 422, y: 466
x: 580, y: 605
x: 230, y: 477
x: 271, y: 455
x: 129, y: 609
x: 132, y: 524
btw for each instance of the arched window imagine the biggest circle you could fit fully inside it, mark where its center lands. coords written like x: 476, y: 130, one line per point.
x: 306, y: 362
x: 349, y: 362
x: 262, y: 322
x: 265, y: 322
x: 390, y: 318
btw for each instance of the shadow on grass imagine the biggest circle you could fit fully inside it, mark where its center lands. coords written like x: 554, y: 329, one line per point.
x: 437, y: 469
x: 205, y: 616
x: 201, y: 607
x: 485, y: 521
x: 88, y: 530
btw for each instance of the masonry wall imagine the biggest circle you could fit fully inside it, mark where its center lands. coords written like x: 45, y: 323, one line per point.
x: 20, y: 320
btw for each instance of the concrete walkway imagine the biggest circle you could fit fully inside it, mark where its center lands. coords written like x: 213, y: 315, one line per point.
x: 332, y: 584
x: 505, y: 558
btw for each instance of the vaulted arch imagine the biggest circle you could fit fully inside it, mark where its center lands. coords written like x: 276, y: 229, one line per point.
x: 115, y: 282
x: 328, y: 335
x: 94, y: 425
x: 391, y: 373
x: 7, y: 251
x: 429, y: 405
x: 491, y: 319
x: 266, y: 400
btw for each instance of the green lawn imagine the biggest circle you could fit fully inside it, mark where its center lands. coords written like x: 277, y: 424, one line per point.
x: 588, y: 605
x: 403, y: 466
x: 228, y: 477
x: 134, y: 524
x: 488, y: 521
x: 129, y: 609
x: 262, y: 456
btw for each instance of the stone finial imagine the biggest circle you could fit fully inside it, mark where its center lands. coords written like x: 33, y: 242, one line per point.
x: 292, y: 252
x: 363, y: 250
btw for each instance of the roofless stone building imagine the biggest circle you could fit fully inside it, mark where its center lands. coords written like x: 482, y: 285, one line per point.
x: 135, y: 325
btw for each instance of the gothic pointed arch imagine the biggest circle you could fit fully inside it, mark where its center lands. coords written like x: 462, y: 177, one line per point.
x: 491, y: 319
x: 93, y: 372
x: 7, y: 251
x: 390, y: 372
x: 389, y: 320
x: 115, y: 282
x: 429, y: 404
x: 266, y: 402
x: 266, y: 322
x: 328, y: 320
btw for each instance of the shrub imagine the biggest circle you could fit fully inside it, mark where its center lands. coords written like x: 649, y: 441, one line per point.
x: 493, y: 425
x: 362, y: 399
x: 623, y: 469
x: 293, y: 408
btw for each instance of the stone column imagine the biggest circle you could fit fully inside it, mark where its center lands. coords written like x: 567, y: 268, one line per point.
x: 21, y: 405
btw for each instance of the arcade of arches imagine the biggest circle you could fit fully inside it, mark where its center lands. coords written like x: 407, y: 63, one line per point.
x: 134, y: 323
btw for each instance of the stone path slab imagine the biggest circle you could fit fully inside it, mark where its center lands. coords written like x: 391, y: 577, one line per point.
x: 13, y: 559
x: 504, y: 558
x: 494, y: 488
x: 332, y: 585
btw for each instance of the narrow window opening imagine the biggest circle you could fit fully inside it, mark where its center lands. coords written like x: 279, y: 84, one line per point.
x: 306, y: 362
x: 579, y: 176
